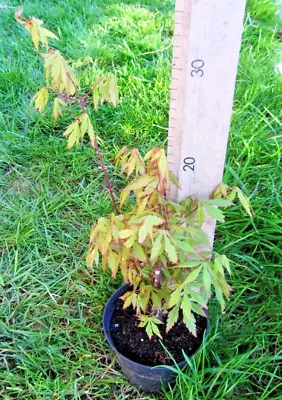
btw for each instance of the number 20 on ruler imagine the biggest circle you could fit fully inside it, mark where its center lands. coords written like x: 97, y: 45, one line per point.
x: 196, y: 71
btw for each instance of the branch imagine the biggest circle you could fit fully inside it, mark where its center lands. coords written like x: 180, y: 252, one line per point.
x: 106, y: 176
x: 81, y: 99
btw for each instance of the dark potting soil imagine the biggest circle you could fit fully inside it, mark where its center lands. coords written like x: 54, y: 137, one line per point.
x: 133, y: 342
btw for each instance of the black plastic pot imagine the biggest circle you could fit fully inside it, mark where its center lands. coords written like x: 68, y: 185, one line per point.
x: 148, y: 379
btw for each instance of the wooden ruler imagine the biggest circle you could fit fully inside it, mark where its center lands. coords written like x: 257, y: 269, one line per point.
x: 207, y: 37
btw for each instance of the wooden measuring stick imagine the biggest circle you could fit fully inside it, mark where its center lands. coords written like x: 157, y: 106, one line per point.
x: 207, y: 37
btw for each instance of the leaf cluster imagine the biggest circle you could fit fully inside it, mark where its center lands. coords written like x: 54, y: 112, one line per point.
x: 61, y: 84
x: 160, y: 247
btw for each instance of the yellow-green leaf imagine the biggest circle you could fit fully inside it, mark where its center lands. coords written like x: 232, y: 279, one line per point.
x: 193, y: 275
x: 170, y: 250
x: 40, y: 99
x: 157, y: 248
x: 172, y: 317
x: 190, y: 324
x: 245, y: 202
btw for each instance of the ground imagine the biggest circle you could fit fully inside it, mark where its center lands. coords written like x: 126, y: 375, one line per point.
x: 51, y: 340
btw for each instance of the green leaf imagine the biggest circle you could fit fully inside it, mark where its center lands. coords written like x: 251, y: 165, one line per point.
x: 244, y: 201
x: 149, y: 330
x: 184, y: 246
x: 156, y: 330
x: 191, y: 324
x: 95, y: 95
x: 196, y: 308
x: 143, y: 232
x: 139, y: 252
x: 219, y: 295
x: 170, y: 250
x: 231, y: 196
x: 189, y: 264
x: 207, y: 279
x: 218, y: 265
x: 214, y: 212
x: 200, y: 215
x: 128, y: 300
x: 186, y: 306
x: 193, y: 275
x: 174, y: 180
x: 226, y: 263
x: 197, y: 297
x: 172, y: 317
x: 218, y: 202
x: 157, y: 248
x: 2, y: 283
x: 156, y: 299
x: 144, y: 298
x: 175, y: 296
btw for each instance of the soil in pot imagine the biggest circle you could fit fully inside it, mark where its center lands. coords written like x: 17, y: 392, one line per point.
x: 133, y: 342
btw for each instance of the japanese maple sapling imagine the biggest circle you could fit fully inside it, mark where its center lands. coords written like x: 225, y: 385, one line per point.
x: 159, y: 246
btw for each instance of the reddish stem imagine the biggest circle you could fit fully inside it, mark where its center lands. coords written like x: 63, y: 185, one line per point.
x: 107, y: 181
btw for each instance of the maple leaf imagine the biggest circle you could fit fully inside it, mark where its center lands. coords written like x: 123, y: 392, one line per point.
x: 36, y: 30
x: 57, y: 107
x: 40, y: 99
x: 60, y: 72
x: 77, y: 130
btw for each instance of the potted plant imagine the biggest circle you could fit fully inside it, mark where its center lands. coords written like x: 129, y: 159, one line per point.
x: 158, y: 246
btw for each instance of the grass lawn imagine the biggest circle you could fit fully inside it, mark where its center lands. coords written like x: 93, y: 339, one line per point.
x: 51, y: 340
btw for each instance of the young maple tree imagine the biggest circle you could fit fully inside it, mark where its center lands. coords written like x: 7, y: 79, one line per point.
x: 159, y: 246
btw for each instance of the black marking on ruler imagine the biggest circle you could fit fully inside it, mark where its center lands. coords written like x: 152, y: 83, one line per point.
x: 178, y: 69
